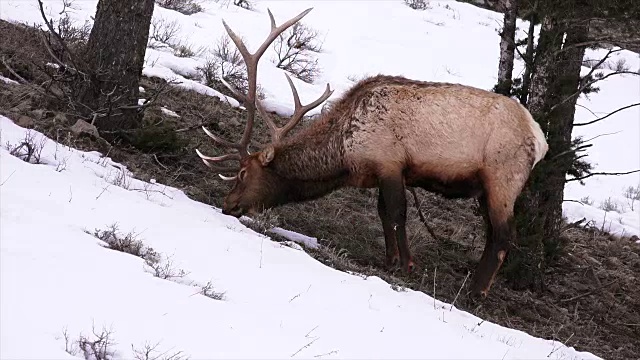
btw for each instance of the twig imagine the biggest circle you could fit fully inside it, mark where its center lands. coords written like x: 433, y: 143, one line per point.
x: 597, y: 136
x: 596, y: 289
x: 434, y: 287
x: 159, y: 163
x: 459, y: 290
x: 8, y: 177
x: 606, y: 116
x: 20, y: 78
x: 421, y: 215
x: 58, y: 37
x: 603, y: 173
x: 573, y: 224
x: 304, y: 347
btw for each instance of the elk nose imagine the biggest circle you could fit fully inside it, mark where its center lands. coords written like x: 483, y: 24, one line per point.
x: 233, y: 210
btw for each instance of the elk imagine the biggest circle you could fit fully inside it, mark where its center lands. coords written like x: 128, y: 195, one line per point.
x: 388, y: 132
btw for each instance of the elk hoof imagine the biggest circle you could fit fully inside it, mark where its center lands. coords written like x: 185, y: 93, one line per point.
x: 392, y: 261
x: 478, y: 296
x: 411, y: 266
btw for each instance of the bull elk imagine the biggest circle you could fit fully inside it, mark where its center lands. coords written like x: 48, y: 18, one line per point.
x: 389, y: 132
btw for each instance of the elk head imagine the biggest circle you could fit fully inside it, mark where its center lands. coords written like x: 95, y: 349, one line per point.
x: 257, y: 184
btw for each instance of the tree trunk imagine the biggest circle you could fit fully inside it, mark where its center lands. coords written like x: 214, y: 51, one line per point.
x: 507, y: 48
x: 539, y: 208
x: 115, y: 57
x: 526, y: 78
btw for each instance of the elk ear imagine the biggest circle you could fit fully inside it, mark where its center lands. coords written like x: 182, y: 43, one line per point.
x: 266, y: 155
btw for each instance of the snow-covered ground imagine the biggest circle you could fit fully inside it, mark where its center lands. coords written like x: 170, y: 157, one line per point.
x: 279, y: 302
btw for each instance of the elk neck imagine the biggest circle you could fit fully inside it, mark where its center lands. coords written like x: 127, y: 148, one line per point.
x: 311, y: 162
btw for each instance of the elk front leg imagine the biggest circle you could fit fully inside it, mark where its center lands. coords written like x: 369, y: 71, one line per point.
x: 391, y: 244
x: 499, y: 234
x: 395, y: 205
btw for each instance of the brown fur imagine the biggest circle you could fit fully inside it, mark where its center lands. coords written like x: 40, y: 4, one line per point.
x: 390, y: 132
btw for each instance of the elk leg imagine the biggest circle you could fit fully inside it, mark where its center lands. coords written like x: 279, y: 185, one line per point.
x: 498, y: 215
x: 395, y: 203
x: 392, y: 255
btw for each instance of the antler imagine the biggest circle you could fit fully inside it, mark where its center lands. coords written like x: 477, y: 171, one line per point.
x: 277, y: 133
x: 248, y: 100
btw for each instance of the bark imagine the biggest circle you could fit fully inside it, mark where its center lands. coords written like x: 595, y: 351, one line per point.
x: 115, y: 57
x: 526, y: 78
x: 539, y: 208
x: 507, y: 48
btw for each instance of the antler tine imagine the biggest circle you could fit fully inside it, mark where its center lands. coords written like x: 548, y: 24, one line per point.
x: 300, y: 110
x: 277, y: 133
x: 251, y: 62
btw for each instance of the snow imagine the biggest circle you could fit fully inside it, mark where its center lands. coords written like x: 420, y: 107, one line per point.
x: 278, y: 299
x: 169, y: 112
x: 7, y: 80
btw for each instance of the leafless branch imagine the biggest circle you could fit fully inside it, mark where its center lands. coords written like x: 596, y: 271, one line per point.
x: 606, y: 116
x: 421, y: 215
x: 603, y: 174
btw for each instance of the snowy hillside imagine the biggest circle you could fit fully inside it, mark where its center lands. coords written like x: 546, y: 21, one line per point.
x: 450, y: 42
x: 278, y: 302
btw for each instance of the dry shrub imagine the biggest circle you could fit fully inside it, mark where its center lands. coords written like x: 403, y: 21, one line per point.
x: 128, y: 243
x: 163, y: 32
x: 417, y: 4
x: 295, y: 50
x: 186, y: 7
x: 28, y: 149
x: 245, y: 4
x: 225, y: 63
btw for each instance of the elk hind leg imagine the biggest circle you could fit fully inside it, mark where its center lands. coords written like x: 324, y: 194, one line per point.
x: 392, y: 192
x: 391, y: 244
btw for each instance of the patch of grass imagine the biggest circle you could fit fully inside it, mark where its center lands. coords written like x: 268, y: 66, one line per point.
x: 262, y: 222
x: 208, y: 291
x: 610, y: 205
x: 128, y: 244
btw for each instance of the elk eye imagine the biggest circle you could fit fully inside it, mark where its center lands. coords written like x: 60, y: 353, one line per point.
x: 241, y: 174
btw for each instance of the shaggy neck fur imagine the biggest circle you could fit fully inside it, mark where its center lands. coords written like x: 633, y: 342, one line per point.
x: 311, y: 163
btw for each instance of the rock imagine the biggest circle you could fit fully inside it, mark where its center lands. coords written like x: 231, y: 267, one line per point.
x: 41, y: 114
x: 25, y: 122
x: 61, y: 118
x: 23, y: 107
x: 82, y: 127
x: 38, y: 113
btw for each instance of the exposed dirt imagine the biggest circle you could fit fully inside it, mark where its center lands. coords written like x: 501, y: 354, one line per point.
x: 592, y: 295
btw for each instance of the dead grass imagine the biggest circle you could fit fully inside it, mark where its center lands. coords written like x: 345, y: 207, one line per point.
x: 591, y: 297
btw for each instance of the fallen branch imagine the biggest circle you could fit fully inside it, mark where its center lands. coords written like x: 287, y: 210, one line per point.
x: 594, y: 290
